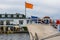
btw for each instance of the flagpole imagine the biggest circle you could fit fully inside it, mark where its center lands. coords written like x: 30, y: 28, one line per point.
x: 28, y: 5
x: 25, y: 9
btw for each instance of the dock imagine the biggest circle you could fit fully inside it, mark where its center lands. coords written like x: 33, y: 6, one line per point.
x: 43, y: 32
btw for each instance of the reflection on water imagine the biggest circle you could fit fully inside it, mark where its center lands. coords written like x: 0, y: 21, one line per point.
x: 21, y: 36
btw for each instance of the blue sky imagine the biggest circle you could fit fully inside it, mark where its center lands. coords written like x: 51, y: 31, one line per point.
x: 41, y: 8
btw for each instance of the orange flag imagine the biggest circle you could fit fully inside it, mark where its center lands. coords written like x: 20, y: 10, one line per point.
x: 28, y: 5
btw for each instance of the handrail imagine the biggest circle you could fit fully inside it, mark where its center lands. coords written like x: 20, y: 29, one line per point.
x: 36, y: 36
x: 32, y: 36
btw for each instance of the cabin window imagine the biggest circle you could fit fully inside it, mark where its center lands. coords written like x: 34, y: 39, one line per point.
x: 20, y: 15
x: 3, y: 15
x: 1, y: 22
x: 14, y: 15
x: 20, y: 21
x: 7, y: 22
x: 9, y: 15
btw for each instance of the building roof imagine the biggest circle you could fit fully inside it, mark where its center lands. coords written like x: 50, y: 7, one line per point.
x: 19, y: 16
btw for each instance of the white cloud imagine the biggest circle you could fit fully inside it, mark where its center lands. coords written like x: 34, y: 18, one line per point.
x: 41, y: 7
x: 2, y: 6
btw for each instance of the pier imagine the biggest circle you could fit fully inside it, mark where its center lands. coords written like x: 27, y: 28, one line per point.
x: 43, y: 32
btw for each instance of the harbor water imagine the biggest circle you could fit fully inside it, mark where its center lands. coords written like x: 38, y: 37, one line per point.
x: 20, y: 36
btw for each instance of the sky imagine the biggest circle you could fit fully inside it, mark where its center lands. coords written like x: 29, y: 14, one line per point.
x: 41, y: 8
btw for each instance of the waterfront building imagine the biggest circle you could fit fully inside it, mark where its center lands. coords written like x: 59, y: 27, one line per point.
x: 8, y: 21
x: 12, y: 19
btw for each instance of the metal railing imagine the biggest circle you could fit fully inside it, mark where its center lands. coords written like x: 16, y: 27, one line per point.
x: 34, y: 37
x: 31, y: 35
